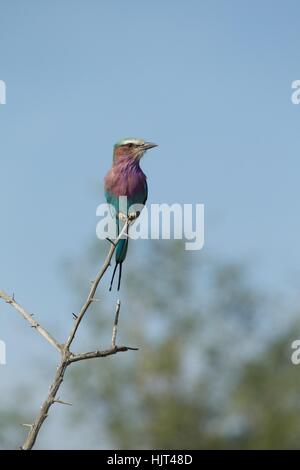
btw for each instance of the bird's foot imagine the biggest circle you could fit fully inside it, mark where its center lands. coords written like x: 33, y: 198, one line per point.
x: 133, y: 216
x: 122, y: 217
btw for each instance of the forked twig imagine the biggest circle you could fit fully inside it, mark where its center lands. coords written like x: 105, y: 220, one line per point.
x: 67, y: 357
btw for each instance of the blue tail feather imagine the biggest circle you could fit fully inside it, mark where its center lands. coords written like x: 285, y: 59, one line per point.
x: 121, y: 252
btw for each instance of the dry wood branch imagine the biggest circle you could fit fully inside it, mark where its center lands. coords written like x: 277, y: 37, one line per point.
x: 29, y: 317
x: 67, y: 357
x: 105, y: 353
x: 93, y: 288
x: 108, y: 352
x: 115, y: 327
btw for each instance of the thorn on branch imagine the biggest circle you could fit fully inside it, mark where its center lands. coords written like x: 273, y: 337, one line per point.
x: 61, y: 402
x: 74, y: 316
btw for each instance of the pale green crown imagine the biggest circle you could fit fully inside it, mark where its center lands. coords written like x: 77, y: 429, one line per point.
x: 130, y: 140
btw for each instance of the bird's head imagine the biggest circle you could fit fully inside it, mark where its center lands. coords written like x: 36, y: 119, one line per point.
x: 131, y: 148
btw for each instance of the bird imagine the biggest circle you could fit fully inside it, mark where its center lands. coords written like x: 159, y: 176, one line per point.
x: 126, y: 178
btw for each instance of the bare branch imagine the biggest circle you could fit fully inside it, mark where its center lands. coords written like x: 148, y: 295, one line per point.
x: 115, y: 327
x: 93, y: 288
x: 108, y: 352
x: 105, y: 353
x: 67, y: 357
x: 43, y: 413
x: 29, y: 317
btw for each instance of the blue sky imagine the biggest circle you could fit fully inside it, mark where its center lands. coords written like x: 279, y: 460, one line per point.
x: 209, y: 81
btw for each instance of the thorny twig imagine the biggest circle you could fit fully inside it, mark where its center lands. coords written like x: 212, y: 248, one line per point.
x: 67, y: 357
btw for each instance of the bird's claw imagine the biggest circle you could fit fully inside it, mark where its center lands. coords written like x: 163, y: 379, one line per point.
x: 133, y: 215
x: 130, y: 218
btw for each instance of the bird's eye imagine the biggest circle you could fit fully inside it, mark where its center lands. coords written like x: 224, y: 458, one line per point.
x: 130, y: 146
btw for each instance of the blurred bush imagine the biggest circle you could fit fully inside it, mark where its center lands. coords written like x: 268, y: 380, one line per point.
x: 213, y: 369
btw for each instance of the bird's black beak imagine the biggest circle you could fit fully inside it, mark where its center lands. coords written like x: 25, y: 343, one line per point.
x: 149, y: 145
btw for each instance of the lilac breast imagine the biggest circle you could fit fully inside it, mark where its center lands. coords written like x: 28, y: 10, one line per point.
x: 126, y: 179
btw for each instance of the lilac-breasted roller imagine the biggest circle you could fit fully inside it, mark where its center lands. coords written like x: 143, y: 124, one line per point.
x: 126, y: 178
